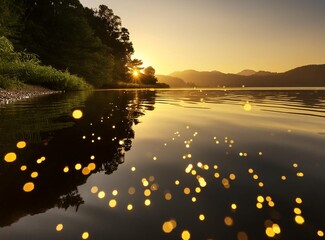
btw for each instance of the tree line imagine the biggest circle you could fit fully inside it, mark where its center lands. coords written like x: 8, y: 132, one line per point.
x: 90, y: 43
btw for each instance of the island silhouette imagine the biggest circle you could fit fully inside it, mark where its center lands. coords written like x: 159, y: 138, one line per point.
x: 305, y: 76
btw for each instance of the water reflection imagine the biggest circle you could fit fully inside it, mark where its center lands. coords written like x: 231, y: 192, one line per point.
x: 206, y: 164
x: 63, y: 147
x: 293, y: 101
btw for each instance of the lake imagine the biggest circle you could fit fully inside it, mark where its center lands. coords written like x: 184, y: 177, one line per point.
x: 164, y: 164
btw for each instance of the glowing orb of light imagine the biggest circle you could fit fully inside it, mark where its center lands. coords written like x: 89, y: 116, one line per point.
x: 299, y: 219
x: 186, y: 235
x: 10, y: 157
x: 229, y: 221
x: 85, y: 235
x: 167, y: 227
x: 135, y: 73
x: 247, y: 107
x: 101, y: 194
x: 112, y: 203
x: 59, y: 227
x: 202, y: 217
x: 21, y: 144
x: 28, y: 187
x: 77, y: 114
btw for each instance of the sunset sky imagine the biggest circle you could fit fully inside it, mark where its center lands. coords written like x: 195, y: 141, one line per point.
x: 223, y: 35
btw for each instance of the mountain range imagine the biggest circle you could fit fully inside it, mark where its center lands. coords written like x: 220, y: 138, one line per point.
x: 305, y: 76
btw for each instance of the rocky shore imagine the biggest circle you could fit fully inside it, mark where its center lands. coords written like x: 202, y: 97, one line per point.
x: 12, y: 95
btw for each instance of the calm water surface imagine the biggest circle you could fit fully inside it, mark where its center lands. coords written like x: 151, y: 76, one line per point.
x: 167, y: 164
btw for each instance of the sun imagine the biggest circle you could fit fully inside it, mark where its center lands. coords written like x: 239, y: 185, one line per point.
x: 135, y: 73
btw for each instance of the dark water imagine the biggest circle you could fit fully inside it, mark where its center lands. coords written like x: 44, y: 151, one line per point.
x: 169, y: 164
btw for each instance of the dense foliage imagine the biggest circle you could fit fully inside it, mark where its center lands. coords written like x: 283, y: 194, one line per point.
x: 10, y: 12
x: 89, y: 43
x: 17, y: 68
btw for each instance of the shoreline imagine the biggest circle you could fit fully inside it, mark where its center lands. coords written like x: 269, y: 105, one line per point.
x: 13, y: 95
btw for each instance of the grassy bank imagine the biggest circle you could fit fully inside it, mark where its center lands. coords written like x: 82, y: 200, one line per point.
x: 14, y: 74
x: 19, y: 68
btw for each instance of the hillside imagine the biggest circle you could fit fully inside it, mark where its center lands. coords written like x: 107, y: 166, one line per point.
x: 305, y: 76
x: 246, y: 72
x: 173, y: 82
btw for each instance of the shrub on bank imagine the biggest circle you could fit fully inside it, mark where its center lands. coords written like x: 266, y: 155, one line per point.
x: 29, y: 73
x: 9, y: 83
x: 19, y: 68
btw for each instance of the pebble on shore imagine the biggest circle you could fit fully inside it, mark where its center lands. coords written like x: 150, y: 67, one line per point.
x: 9, y: 96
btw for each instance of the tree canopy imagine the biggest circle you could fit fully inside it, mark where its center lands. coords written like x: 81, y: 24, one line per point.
x: 10, y: 12
x: 59, y: 33
x: 90, y: 43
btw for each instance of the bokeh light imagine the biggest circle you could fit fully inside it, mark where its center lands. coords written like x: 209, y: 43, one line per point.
x: 21, y: 144
x: 77, y: 114
x: 186, y: 235
x: 112, y: 203
x: 10, y: 157
x: 85, y: 235
x: 59, y: 227
x: 28, y: 187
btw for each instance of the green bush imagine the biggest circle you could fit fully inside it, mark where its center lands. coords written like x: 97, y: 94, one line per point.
x: 25, y: 68
x: 9, y: 83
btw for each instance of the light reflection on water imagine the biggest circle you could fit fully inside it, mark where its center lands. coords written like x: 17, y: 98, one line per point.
x: 175, y: 164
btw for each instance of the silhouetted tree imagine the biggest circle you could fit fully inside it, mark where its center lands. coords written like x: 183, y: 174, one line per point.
x: 149, y: 76
x: 134, y: 64
x: 91, y: 43
x: 60, y: 34
x: 108, y: 28
x: 150, y: 71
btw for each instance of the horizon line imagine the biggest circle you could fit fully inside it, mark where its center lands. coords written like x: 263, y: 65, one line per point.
x: 250, y: 69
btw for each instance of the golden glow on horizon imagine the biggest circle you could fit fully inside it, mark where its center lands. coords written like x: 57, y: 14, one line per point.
x: 135, y: 73
x: 168, y: 44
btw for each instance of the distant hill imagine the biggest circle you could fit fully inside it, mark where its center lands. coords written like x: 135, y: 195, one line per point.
x: 305, y: 76
x: 246, y: 72
x: 263, y: 73
x: 173, y: 82
x: 199, y: 78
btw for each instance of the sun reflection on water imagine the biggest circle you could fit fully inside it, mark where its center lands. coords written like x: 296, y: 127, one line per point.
x: 217, y: 180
